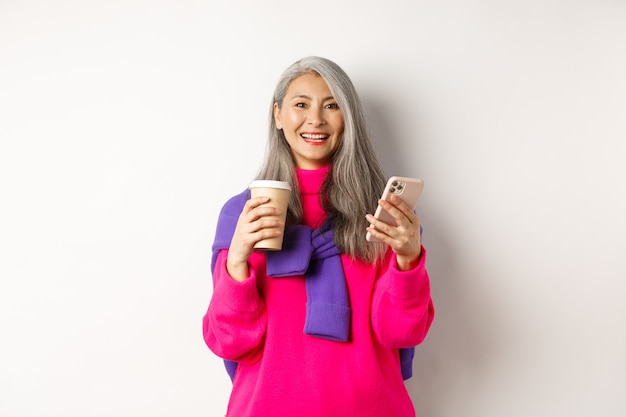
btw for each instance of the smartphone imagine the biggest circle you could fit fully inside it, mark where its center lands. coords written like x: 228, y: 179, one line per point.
x: 408, y: 189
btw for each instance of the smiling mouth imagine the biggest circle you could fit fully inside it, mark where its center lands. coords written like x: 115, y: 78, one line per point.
x: 314, y: 137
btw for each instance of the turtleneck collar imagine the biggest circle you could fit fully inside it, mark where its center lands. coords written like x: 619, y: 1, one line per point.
x: 310, y: 184
x: 310, y: 180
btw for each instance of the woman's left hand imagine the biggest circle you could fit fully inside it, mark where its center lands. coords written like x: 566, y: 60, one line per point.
x: 404, y: 239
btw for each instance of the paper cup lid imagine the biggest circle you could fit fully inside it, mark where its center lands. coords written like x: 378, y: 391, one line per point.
x: 270, y: 184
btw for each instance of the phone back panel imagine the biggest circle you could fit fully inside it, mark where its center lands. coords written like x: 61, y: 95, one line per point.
x: 408, y: 189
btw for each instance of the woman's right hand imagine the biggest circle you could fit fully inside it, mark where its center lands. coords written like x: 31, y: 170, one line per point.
x: 256, y: 222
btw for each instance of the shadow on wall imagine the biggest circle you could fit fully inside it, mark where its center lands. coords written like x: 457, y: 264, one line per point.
x: 385, y: 139
x: 451, y: 363
x: 458, y: 351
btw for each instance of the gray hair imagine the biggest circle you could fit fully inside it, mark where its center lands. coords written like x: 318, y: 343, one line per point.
x: 356, y: 178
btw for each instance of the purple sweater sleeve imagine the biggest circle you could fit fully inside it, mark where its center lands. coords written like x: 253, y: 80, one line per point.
x: 235, y: 322
x: 402, y: 308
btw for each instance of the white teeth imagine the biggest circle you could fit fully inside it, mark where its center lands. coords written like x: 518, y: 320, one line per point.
x: 310, y: 136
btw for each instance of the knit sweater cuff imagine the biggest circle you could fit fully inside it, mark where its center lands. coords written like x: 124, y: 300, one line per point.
x: 406, y: 284
x: 241, y: 297
x: 329, y: 321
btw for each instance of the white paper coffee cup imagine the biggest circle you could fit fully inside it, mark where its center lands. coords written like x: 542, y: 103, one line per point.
x: 278, y: 193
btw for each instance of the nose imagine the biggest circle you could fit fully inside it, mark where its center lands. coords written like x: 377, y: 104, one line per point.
x: 315, y: 117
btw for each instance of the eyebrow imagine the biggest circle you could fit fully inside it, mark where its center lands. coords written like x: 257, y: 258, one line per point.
x: 309, y: 98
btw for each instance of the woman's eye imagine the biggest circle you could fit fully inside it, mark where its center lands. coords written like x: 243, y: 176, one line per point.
x: 301, y: 105
x: 333, y: 106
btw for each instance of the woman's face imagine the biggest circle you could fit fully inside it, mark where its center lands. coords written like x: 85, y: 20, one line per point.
x: 311, y: 121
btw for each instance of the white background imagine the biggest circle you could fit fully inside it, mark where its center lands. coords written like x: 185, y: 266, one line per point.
x: 124, y: 125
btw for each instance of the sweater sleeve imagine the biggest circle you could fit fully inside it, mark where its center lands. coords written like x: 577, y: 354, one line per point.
x: 402, y: 307
x: 235, y: 322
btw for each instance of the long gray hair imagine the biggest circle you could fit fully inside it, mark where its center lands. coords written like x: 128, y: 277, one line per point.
x: 356, y: 179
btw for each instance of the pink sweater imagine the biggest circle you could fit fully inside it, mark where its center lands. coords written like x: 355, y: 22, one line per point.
x: 283, y: 372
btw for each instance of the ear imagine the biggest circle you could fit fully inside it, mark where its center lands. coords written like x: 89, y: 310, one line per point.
x: 279, y: 123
